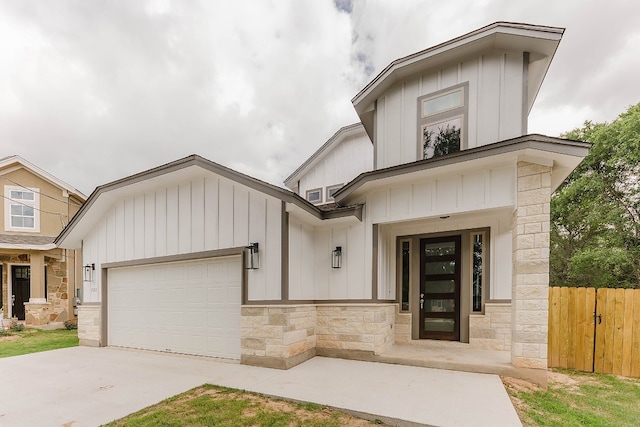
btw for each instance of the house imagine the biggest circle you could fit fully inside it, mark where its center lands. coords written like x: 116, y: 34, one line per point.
x: 429, y: 220
x: 38, y: 279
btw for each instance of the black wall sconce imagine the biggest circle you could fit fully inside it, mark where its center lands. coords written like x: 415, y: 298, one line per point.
x: 336, y: 257
x: 88, y: 272
x: 252, y: 257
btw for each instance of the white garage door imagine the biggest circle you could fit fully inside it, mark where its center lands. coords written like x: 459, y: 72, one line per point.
x: 190, y: 307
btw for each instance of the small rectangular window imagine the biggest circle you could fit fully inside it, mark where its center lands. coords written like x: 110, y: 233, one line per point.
x: 331, y: 190
x: 406, y: 257
x: 315, y: 196
x: 21, y: 209
x: 477, y: 279
x: 442, y: 103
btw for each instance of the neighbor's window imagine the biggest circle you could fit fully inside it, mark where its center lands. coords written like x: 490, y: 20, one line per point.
x: 477, y: 271
x: 22, y: 209
x: 331, y: 190
x: 315, y: 196
x: 441, y: 122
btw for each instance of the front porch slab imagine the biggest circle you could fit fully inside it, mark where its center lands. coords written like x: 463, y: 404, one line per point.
x: 453, y: 356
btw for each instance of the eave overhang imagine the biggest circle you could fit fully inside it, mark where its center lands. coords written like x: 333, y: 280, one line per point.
x: 541, y: 42
x: 562, y: 154
x: 182, y: 170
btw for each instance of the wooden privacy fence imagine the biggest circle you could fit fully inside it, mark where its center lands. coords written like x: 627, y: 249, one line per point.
x: 595, y: 330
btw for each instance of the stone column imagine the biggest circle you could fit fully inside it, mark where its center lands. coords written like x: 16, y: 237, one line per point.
x: 530, y: 293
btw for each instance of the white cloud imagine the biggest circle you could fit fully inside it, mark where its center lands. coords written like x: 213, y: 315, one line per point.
x: 93, y: 91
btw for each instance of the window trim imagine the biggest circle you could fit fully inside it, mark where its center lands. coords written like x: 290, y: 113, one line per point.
x: 315, y: 190
x: 329, y: 198
x: 442, y: 116
x: 35, y: 204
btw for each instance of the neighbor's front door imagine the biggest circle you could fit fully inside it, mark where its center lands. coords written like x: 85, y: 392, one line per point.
x: 20, y: 289
x: 440, y: 288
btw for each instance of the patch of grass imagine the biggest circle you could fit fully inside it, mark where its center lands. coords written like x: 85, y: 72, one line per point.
x: 211, y: 405
x: 580, y: 399
x: 35, y: 340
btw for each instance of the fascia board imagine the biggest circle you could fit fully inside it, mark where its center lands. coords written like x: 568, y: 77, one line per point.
x: 460, y: 47
x: 532, y: 146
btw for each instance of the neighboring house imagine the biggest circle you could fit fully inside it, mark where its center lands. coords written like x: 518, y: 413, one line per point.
x: 38, y: 279
x: 430, y: 220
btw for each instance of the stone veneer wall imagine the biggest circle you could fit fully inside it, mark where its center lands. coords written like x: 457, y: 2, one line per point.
x: 37, y: 313
x: 403, y: 328
x: 530, y: 295
x: 58, y: 290
x: 89, y: 324
x: 278, y: 336
x: 491, y: 330
x: 362, y: 327
x: 282, y: 336
x: 56, y: 309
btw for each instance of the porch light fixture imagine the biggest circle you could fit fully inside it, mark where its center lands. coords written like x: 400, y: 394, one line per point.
x: 251, y: 257
x: 336, y: 257
x: 88, y: 272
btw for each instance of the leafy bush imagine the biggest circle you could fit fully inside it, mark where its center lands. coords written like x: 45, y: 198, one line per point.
x: 70, y: 325
x: 15, y: 326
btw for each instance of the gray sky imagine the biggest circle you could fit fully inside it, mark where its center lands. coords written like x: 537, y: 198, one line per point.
x: 93, y: 91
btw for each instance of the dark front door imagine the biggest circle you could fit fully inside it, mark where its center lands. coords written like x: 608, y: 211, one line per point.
x: 20, y: 288
x: 440, y: 288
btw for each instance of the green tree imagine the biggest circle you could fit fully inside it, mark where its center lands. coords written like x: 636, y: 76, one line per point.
x: 595, y: 214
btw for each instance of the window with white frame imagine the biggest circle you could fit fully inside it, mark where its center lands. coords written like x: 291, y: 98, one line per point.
x: 315, y: 196
x: 442, y: 121
x: 22, y: 209
x: 331, y: 190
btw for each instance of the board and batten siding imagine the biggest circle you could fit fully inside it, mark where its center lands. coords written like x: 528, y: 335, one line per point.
x: 478, y: 199
x: 346, y: 161
x: 310, y: 274
x: 202, y: 214
x: 494, y: 111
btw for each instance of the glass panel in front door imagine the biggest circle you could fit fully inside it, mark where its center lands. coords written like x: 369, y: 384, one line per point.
x: 440, y: 288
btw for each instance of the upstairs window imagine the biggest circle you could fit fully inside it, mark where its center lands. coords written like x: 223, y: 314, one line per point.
x: 315, y: 196
x: 21, y: 209
x: 331, y: 190
x: 442, y: 121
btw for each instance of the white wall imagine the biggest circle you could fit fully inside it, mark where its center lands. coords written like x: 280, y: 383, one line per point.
x: 201, y: 214
x: 311, y: 276
x: 494, y: 113
x: 344, y: 162
x: 472, y: 190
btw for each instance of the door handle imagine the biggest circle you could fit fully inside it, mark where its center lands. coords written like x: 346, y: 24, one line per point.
x: 597, y: 316
x: 421, y: 301
x: 13, y: 300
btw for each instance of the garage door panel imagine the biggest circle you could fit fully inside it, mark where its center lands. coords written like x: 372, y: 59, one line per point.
x: 188, y: 307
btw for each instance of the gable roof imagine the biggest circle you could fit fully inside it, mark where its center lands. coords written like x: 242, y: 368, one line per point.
x: 539, y: 41
x: 103, y: 197
x: 17, y: 160
x: 337, y: 138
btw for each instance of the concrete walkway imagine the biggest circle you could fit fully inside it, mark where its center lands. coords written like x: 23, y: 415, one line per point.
x: 85, y: 386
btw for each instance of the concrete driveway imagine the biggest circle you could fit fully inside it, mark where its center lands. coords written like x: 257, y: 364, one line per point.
x: 83, y: 386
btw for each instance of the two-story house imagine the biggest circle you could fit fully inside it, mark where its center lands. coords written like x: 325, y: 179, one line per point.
x: 427, y: 221
x: 38, y: 279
